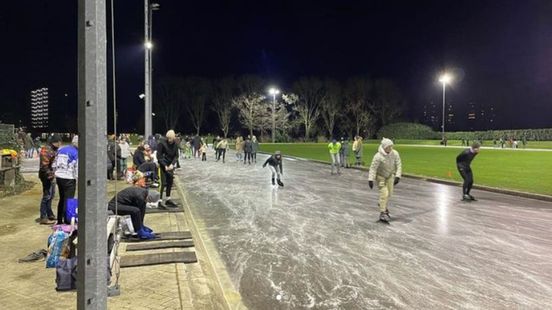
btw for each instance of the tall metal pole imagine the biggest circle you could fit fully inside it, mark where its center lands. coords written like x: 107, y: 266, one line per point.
x: 150, y: 39
x: 92, y: 121
x: 443, y: 121
x: 147, y: 76
x: 273, y: 117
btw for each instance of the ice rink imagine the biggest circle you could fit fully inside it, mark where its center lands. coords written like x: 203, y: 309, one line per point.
x: 316, y: 243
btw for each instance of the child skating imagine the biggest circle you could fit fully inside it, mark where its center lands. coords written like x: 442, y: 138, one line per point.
x: 274, y: 162
x: 386, y: 170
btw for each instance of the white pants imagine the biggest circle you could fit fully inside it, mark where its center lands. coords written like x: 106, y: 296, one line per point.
x: 274, y: 171
x: 335, y: 161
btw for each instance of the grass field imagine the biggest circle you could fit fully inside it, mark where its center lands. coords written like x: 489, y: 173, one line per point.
x: 528, y: 171
x: 530, y: 144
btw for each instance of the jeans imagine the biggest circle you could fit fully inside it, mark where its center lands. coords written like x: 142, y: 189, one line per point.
x: 48, y: 193
x: 67, y: 189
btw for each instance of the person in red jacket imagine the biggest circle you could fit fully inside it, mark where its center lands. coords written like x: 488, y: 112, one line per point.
x: 47, y: 177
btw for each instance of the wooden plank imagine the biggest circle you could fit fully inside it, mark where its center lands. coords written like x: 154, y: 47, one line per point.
x: 157, y: 259
x: 173, y: 235
x: 160, y: 245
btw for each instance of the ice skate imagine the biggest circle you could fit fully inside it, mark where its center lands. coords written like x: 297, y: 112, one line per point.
x: 387, y: 214
x: 280, y: 183
x: 472, y: 198
x: 466, y: 198
x: 383, y: 218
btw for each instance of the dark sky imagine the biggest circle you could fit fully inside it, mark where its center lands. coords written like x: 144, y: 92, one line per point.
x: 500, y: 51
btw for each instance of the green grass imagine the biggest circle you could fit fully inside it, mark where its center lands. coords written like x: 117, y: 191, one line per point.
x: 527, y: 171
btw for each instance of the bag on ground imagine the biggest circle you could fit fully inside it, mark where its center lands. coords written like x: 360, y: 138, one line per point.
x: 66, y: 274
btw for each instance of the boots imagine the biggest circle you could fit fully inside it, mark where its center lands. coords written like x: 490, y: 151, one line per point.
x: 383, y: 217
x: 280, y: 183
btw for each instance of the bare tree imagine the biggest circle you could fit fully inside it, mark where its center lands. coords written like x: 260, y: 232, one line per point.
x: 358, y: 95
x: 195, y: 91
x: 170, y: 105
x: 250, y: 89
x: 330, y: 108
x: 309, y: 92
x: 387, y: 103
x: 223, y: 91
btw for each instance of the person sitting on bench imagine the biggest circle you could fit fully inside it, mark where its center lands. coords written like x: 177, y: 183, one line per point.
x: 132, y: 201
x: 143, y: 162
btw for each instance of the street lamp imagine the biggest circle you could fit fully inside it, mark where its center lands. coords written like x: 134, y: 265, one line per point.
x: 273, y: 91
x: 148, y: 45
x: 445, y: 79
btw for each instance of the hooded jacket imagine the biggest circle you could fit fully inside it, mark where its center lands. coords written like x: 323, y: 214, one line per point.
x: 385, y: 165
x: 167, y: 153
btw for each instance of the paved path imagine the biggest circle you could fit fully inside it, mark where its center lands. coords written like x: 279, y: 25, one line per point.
x: 316, y: 243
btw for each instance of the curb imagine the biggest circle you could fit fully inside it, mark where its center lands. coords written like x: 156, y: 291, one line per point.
x: 229, y: 299
x: 443, y: 181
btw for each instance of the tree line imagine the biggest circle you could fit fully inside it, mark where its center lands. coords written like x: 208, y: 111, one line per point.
x: 313, y: 105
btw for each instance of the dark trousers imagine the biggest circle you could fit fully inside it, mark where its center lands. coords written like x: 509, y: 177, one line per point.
x: 247, y: 157
x: 67, y: 189
x: 149, y: 169
x: 222, y: 153
x: 110, y: 171
x: 467, y: 175
x: 167, y: 178
x: 48, y: 192
x: 136, y: 214
x: 254, y: 157
x: 203, y: 156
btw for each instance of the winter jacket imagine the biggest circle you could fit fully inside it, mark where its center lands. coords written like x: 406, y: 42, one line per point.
x: 196, y: 142
x: 47, y: 157
x: 255, y: 146
x: 239, y: 144
x: 274, y: 162
x: 113, y: 150
x: 357, y: 146
x: 344, y: 149
x: 464, y: 159
x: 222, y: 145
x: 167, y: 153
x: 130, y: 196
x: 248, y: 146
x: 334, y: 148
x: 66, y: 163
x: 385, y: 165
x: 139, y: 157
x: 125, y: 149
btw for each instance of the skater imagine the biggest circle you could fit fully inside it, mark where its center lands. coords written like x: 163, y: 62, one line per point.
x: 203, y: 150
x: 386, y: 170
x: 132, y: 201
x: 254, y: 149
x: 222, y: 146
x: 463, y: 163
x: 357, y: 150
x: 239, y: 148
x: 334, y: 147
x: 167, y: 154
x: 344, y: 153
x: 275, y: 165
x: 247, y: 149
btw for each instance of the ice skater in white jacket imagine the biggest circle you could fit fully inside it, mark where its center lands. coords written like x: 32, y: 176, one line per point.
x: 386, y: 170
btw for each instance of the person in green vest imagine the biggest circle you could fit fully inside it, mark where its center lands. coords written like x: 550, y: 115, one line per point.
x: 334, y: 147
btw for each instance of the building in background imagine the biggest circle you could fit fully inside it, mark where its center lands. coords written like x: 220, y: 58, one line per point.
x: 480, y: 116
x: 432, y: 115
x: 39, y: 109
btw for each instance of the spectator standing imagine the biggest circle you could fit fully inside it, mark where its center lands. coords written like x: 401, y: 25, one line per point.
x: 357, y: 150
x: 47, y: 177
x: 167, y: 154
x: 66, y: 174
x: 125, y: 153
x: 113, y: 154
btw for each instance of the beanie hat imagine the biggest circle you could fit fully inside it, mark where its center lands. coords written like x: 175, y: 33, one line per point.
x: 54, y: 138
x: 386, y: 143
x: 277, y: 153
x: 137, y: 176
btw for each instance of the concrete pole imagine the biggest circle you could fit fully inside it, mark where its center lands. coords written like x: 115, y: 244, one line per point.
x: 147, y: 76
x: 92, y: 122
x: 273, y: 118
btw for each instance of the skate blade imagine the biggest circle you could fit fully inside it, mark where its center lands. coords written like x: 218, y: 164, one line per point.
x: 383, y: 221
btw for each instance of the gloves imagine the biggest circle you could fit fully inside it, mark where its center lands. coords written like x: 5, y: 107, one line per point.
x: 264, y: 165
x: 371, y: 184
x: 397, y: 179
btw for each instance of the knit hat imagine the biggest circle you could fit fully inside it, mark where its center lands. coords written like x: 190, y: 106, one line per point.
x: 386, y: 143
x: 54, y: 138
x: 137, y: 176
x: 277, y: 153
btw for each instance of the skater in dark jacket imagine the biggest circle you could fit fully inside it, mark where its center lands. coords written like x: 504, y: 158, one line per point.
x: 463, y: 163
x: 167, y: 154
x: 248, y: 150
x: 274, y: 162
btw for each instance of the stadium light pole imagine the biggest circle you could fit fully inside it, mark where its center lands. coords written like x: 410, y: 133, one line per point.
x: 445, y: 78
x: 148, y: 45
x: 274, y: 91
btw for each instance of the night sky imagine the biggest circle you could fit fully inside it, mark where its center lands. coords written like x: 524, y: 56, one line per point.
x: 500, y: 51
